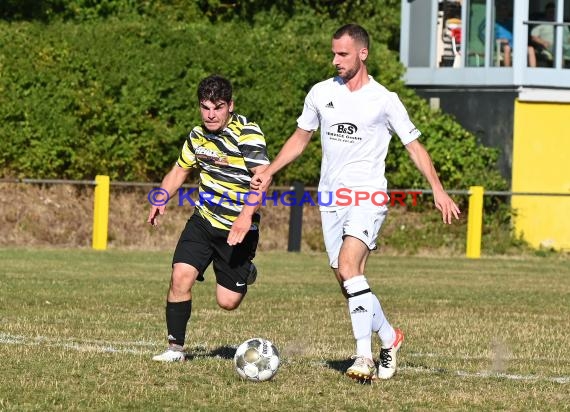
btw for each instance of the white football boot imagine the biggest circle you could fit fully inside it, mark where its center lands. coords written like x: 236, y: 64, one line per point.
x: 387, y: 363
x: 362, y: 370
x: 174, y: 353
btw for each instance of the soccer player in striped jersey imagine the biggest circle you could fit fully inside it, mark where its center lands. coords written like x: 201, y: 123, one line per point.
x: 226, y: 150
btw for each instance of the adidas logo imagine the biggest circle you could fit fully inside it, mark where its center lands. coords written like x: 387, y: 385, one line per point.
x: 330, y: 105
x: 365, y: 233
x: 358, y: 309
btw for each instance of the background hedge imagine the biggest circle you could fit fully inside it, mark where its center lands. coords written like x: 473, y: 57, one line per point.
x: 109, y: 87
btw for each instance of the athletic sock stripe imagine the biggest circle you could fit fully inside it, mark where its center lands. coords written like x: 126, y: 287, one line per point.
x: 362, y: 292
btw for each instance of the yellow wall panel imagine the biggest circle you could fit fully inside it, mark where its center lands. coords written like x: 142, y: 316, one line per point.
x: 541, y: 163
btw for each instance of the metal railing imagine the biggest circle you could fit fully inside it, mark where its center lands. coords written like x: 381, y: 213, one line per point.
x: 102, y: 200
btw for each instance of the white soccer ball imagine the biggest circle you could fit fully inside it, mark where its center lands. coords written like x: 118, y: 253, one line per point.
x: 256, y: 359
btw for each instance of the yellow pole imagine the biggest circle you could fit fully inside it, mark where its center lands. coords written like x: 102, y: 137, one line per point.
x: 475, y: 222
x: 101, y: 212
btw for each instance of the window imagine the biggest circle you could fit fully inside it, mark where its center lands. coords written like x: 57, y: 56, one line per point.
x: 484, y: 43
x: 449, y: 33
x: 547, y: 28
x: 500, y: 34
x: 476, y: 33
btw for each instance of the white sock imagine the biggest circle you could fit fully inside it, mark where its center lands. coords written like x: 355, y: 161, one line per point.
x: 360, y: 307
x: 381, y: 325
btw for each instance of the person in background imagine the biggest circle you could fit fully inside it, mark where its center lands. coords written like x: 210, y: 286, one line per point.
x: 543, y: 36
x: 503, y: 31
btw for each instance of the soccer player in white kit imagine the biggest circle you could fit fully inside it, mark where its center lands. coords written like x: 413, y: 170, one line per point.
x: 357, y: 117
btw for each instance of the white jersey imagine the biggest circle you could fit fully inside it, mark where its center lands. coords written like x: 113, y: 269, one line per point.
x: 356, y: 128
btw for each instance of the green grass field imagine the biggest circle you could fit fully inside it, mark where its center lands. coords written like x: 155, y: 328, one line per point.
x: 78, y: 329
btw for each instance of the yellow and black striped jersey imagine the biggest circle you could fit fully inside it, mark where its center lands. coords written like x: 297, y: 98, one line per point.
x: 224, y: 161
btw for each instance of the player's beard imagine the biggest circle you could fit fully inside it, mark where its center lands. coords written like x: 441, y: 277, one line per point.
x: 350, y: 73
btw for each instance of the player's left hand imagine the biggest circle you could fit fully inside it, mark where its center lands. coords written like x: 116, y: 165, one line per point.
x: 240, y: 228
x: 446, y: 206
x: 261, y: 181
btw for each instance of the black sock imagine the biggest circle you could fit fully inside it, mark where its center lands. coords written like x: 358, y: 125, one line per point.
x: 177, y: 316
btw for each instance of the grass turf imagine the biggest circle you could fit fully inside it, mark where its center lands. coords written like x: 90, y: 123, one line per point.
x: 78, y: 329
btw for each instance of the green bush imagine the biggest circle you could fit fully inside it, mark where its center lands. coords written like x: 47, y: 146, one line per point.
x: 117, y: 95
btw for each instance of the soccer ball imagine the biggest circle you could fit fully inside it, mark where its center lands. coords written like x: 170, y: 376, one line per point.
x: 256, y: 359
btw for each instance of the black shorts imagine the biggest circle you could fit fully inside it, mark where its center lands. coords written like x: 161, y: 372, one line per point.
x: 201, y: 244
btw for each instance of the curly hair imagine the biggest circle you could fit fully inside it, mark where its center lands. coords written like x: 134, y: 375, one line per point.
x: 215, y: 88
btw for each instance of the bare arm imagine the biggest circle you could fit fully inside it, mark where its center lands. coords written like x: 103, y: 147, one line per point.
x: 540, y: 41
x: 171, y: 183
x: 291, y: 150
x: 423, y: 162
x: 242, y: 224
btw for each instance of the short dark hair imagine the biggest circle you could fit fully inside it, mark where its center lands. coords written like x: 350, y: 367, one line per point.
x: 356, y: 32
x: 214, y: 88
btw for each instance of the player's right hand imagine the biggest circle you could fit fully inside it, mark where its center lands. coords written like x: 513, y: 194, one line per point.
x: 155, y: 212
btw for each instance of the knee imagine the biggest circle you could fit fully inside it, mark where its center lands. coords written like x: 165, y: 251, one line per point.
x: 181, y: 280
x: 228, y: 304
x: 346, y: 272
x: 228, y: 299
x: 178, y: 279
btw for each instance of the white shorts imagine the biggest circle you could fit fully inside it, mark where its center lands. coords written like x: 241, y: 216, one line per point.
x: 361, y: 222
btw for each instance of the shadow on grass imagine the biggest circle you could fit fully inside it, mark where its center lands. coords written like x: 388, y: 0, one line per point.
x: 224, y: 352
x: 342, y: 365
